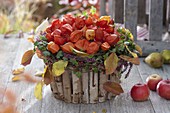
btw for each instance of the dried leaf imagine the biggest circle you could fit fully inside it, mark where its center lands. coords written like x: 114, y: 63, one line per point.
x: 48, y: 78
x: 59, y: 67
x: 18, y: 71
x: 31, y: 39
x: 38, y: 90
x: 25, y: 77
x: 111, y: 63
x: 132, y: 53
x: 113, y: 87
x: 129, y: 59
x: 39, y: 53
x: 138, y: 48
x: 42, y: 26
x: 27, y: 57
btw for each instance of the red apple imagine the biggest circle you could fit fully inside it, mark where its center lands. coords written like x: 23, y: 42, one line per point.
x: 140, y: 92
x: 163, y: 89
x: 152, y: 81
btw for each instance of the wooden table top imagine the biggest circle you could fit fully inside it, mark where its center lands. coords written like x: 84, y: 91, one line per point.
x: 11, y: 51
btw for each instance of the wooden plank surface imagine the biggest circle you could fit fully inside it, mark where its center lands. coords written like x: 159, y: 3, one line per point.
x: 124, y: 103
x: 152, y: 46
x: 141, y: 12
x: 102, y: 7
x: 121, y: 104
x: 159, y: 104
x: 130, y: 16
x: 155, y: 20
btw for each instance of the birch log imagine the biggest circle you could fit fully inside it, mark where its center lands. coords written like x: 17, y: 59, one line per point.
x: 93, y: 87
x: 76, y: 84
x: 67, y: 86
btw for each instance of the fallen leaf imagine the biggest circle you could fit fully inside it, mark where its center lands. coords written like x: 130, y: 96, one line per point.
x: 129, y: 59
x: 113, y: 87
x: 138, y: 48
x: 39, y: 73
x: 27, y: 57
x: 48, y: 77
x: 111, y: 63
x: 31, y: 39
x: 38, y: 90
x: 25, y: 77
x: 18, y: 71
x: 59, y: 67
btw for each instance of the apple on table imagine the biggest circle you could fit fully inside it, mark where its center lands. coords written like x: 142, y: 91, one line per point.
x: 152, y: 81
x: 163, y: 89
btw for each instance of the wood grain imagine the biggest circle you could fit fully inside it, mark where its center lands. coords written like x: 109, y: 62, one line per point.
x: 130, y: 16
x: 159, y: 104
x: 124, y: 103
x: 155, y: 20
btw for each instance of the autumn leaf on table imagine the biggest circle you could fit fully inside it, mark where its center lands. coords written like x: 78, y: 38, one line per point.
x: 31, y: 39
x: 39, y: 90
x: 27, y: 57
x: 8, y: 106
x: 47, y: 75
x: 59, y: 67
x: 18, y: 71
x: 113, y: 87
x: 26, y: 77
x: 129, y: 59
x: 111, y: 63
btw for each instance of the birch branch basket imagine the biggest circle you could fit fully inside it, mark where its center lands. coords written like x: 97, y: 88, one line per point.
x: 86, y: 89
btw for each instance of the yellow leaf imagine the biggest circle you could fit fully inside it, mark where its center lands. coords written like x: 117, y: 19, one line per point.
x: 111, y: 63
x: 59, y: 67
x: 79, y: 53
x: 27, y: 57
x: 129, y: 59
x: 18, y: 71
x: 107, y: 18
x: 47, y: 75
x: 38, y: 90
x: 138, y: 48
x: 16, y: 78
x: 132, y: 53
x: 131, y: 35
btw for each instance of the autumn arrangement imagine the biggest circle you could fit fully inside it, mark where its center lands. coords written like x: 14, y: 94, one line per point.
x: 84, y: 56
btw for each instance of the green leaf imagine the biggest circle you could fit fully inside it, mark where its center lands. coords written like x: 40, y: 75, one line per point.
x: 74, y: 62
x: 59, y: 67
x: 78, y: 73
x: 111, y: 63
x: 93, y: 10
x: 38, y: 90
x: 46, y: 53
x: 43, y: 38
x: 85, y: 13
x: 95, y: 69
x: 59, y: 54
